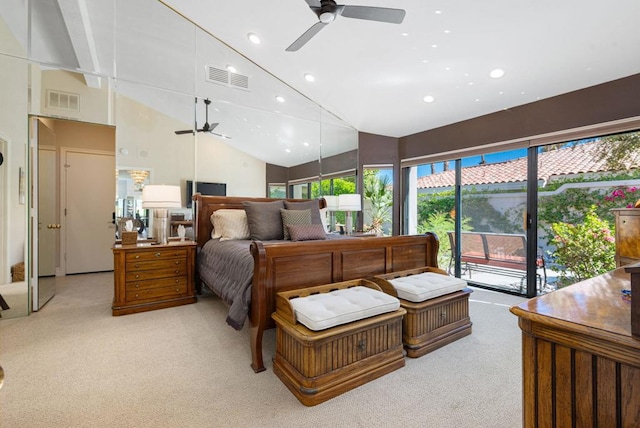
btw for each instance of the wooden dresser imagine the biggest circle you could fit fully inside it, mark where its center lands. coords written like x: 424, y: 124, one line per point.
x: 627, y: 235
x: 581, y: 364
x: 149, y: 277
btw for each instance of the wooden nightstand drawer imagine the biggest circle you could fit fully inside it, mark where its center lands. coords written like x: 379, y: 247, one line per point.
x: 149, y: 277
x: 155, y: 283
x: 171, y: 272
x: 140, y: 296
x: 157, y: 264
x: 156, y: 254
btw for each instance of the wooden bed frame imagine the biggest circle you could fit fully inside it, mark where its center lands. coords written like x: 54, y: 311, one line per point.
x: 286, y: 265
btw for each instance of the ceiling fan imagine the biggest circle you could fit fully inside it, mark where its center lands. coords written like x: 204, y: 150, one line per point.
x: 207, y: 127
x: 328, y: 10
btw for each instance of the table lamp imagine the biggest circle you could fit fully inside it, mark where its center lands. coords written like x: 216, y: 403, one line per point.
x: 349, y: 203
x: 332, y: 207
x: 160, y: 198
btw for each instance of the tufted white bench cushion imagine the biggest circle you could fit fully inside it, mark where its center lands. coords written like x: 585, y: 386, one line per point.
x: 425, y: 286
x: 326, y: 310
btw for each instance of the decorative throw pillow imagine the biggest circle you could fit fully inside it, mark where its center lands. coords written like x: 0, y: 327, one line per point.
x: 265, y: 221
x: 294, y: 217
x: 229, y: 224
x: 306, y: 232
x: 313, y: 206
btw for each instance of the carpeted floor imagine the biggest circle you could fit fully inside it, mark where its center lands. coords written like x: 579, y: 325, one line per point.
x: 72, y: 364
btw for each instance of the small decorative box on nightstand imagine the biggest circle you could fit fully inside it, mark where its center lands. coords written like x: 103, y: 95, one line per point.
x: 148, y: 277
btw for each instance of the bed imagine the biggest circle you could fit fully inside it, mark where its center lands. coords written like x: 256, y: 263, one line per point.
x: 255, y: 270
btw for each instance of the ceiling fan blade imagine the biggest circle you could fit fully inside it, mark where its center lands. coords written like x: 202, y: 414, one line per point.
x: 186, y: 131
x: 213, y: 126
x: 226, y: 137
x: 382, y: 14
x: 313, y: 3
x: 302, y: 40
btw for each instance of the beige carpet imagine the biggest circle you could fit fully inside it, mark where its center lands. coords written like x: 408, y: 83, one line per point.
x: 74, y: 365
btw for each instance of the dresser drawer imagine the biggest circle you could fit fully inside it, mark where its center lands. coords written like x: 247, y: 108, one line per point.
x: 171, y: 272
x: 160, y: 254
x: 156, y: 264
x: 155, y: 283
x: 150, y: 294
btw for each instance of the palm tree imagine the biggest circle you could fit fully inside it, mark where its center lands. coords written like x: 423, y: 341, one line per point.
x: 378, y: 191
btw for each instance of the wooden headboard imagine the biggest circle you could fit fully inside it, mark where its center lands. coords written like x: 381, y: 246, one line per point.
x: 207, y: 205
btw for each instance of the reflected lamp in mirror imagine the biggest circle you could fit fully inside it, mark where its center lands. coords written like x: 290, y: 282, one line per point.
x: 160, y: 198
x: 332, y: 207
x: 349, y: 203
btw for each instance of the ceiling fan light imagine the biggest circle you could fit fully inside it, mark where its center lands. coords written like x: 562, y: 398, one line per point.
x: 327, y: 17
x: 253, y: 38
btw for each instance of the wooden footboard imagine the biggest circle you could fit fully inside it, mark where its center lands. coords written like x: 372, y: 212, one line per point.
x: 287, y: 266
x: 290, y: 265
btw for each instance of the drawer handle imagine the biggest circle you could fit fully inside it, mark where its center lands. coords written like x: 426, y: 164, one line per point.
x: 177, y: 254
x: 137, y: 265
x: 177, y: 281
x: 137, y: 285
x: 443, y: 315
x: 137, y: 295
x: 157, y: 254
x: 177, y: 289
x: 177, y: 271
x: 137, y: 276
x: 177, y: 262
x: 138, y: 256
x: 362, y: 345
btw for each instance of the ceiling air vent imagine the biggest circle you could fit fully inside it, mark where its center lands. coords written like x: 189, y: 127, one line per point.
x: 63, y: 100
x: 224, y: 77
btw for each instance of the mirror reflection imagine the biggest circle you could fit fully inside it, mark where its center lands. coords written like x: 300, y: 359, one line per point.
x: 70, y: 75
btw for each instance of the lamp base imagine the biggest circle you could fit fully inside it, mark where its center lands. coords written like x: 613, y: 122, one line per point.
x: 160, y: 222
x: 348, y: 227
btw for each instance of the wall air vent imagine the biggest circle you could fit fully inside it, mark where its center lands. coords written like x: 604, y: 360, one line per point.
x: 63, y: 100
x: 227, y: 78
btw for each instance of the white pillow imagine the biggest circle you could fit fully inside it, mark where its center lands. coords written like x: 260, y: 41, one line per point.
x: 229, y: 224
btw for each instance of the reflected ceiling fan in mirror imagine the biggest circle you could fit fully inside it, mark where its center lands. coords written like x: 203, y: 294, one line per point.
x: 328, y: 10
x: 207, y: 127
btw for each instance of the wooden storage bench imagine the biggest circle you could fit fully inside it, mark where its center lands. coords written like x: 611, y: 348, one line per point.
x: 319, y: 365
x: 436, y: 321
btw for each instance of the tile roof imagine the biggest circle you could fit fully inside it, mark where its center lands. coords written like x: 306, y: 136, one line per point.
x: 579, y: 159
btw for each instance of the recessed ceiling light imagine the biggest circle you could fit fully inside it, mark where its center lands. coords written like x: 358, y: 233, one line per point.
x: 405, y: 34
x: 231, y: 69
x: 288, y: 150
x: 438, y: 12
x: 434, y: 46
x: 428, y: 99
x: 448, y: 68
x: 477, y: 99
x: 280, y: 98
x: 253, y: 38
x: 309, y: 77
x: 447, y: 31
x: 306, y: 144
x: 425, y: 61
x: 496, y: 73
x: 470, y: 83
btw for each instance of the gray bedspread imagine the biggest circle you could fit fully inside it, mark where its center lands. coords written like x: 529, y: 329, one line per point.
x: 226, y: 267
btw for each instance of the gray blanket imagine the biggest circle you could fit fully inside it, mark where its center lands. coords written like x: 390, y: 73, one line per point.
x: 226, y: 267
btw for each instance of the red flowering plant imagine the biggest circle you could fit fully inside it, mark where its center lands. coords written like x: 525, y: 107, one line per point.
x: 624, y: 196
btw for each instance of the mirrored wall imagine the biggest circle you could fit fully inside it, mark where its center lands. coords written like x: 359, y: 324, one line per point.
x: 139, y: 71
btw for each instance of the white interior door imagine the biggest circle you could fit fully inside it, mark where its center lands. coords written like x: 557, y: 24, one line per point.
x: 89, y: 203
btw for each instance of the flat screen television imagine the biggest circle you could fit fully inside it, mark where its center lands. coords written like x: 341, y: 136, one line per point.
x: 214, y: 189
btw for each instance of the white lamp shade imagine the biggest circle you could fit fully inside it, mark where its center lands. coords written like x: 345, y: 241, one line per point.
x: 349, y: 202
x: 161, y: 196
x: 332, y: 203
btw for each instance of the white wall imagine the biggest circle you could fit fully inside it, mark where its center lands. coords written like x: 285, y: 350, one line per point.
x: 13, y: 129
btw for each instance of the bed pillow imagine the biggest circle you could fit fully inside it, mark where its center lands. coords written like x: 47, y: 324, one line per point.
x: 306, y: 232
x: 229, y: 224
x: 265, y: 221
x: 293, y: 217
x: 313, y: 206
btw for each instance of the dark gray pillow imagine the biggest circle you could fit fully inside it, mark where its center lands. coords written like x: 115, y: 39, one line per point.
x: 265, y: 220
x: 313, y: 206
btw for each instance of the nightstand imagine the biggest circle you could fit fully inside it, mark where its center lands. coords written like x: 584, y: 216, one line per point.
x: 148, y: 277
